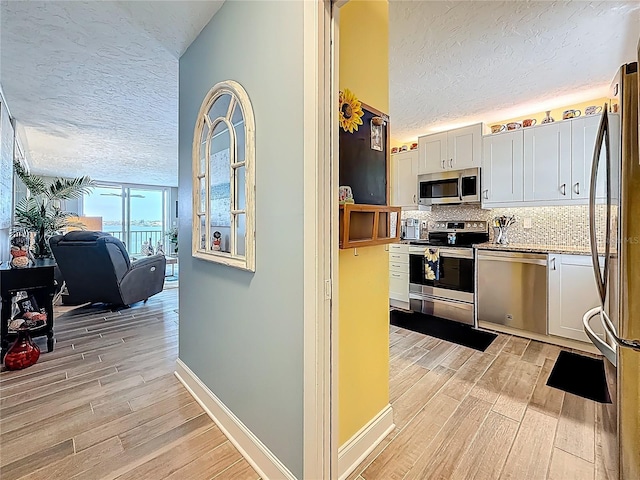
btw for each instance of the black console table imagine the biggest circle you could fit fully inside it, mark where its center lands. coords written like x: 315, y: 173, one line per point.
x: 37, y: 280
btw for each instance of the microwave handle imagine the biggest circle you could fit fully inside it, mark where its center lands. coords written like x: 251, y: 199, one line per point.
x: 460, y: 186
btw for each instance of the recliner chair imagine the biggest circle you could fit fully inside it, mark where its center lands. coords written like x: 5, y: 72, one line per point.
x: 96, y: 268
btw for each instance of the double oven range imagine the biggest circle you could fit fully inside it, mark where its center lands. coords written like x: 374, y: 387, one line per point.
x: 451, y: 296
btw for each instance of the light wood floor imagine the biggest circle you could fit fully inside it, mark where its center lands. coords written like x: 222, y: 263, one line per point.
x: 461, y: 414
x: 105, y: 404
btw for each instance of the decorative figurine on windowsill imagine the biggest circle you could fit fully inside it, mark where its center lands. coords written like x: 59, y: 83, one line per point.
x: 20, y: 255
x: 216, y: 241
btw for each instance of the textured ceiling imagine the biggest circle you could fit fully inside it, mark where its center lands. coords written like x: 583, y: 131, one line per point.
x: 94, y: 85
x: 457, y: 63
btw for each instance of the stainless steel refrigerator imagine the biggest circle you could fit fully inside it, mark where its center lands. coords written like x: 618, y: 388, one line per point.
x: 618, y: 281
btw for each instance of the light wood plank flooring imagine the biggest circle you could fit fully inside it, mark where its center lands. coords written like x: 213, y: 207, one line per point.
x: 461, y: 414
x: 105, y: 404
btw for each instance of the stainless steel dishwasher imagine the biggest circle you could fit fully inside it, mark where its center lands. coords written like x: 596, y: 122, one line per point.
x: 512, y: 289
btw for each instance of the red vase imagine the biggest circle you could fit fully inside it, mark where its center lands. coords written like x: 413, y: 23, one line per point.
x: 23, y: 353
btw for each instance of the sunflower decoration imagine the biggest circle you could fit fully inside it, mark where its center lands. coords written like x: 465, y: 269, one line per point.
x: 429, y: 273
x: 431, y: 255
x: 350, y: 111
x: 432, y: 264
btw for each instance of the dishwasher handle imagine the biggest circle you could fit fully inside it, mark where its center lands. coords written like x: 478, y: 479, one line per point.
x: 514, y: 257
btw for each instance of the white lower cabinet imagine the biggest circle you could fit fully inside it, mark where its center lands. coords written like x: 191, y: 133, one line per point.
x: 399, y: 275
x: 572, y: 292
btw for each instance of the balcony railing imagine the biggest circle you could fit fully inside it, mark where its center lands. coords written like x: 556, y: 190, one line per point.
x: 138, y: 237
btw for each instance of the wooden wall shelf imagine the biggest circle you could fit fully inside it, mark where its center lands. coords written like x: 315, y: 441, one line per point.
x: 368, y: 225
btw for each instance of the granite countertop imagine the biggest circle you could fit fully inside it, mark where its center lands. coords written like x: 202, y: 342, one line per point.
x: 522, y: 247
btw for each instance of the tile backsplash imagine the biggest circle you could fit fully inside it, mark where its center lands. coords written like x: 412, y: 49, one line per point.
x: 557, y: 225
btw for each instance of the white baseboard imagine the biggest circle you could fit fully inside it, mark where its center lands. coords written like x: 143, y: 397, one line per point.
x: 356, y: 449
x: 252, y: 449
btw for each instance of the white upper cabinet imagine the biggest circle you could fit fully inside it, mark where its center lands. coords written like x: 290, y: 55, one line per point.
x: 464, y: 147
x: 547, y: 162
x: 433, y: 153
x: 556, y: 167
x: 404, y: 179
x: 584, y: 133
x: 453, y: 150
x: 502, y: 168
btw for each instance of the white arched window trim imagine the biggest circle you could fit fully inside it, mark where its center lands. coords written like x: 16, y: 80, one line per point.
x: 238, y: 97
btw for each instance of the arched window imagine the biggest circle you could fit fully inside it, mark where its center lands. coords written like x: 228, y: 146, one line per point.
x: 224, y: 178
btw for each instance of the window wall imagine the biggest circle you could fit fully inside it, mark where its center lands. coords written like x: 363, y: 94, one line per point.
x: 138, y: 215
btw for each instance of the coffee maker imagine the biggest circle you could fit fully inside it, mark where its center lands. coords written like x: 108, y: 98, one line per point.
x: 410, y: 229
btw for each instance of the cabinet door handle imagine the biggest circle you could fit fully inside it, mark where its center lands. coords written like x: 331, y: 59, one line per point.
x: 563, y: 189
x: 443, y: 163
x: 486, y: 194
x: 451, y: 163
x: 397, y: 275
x: 553, y: 264
x: 414, y: 198
x: 578, y: 188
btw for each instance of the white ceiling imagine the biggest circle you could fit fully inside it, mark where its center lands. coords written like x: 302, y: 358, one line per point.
x: 460, y: 62
x: 94, y: 85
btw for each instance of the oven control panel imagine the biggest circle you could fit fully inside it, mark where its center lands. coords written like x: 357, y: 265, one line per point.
x: 459, y: 226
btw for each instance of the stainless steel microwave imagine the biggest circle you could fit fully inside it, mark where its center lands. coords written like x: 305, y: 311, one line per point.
x: 454, y: 186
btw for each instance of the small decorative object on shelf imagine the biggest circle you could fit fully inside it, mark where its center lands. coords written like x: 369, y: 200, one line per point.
x: 20, y: 255
x: 345, y: 195
x: 159, y: 248
x: 529, y: 122
x: 23, y: 353
x: 514, y: 126
x: 27, y: 305
x: 497, y: 128
x: 592, y: 110
x: 404, y: 148
x: 567, y: 114
x: 350, y: 111
x: 548, y: 118
x: 414, y: 146
x: 394, y: 150
x: 216, y: 241
x: 501, y: 229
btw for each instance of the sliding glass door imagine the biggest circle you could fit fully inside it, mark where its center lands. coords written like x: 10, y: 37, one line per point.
x: 146, y: 219
x: 136, y: 215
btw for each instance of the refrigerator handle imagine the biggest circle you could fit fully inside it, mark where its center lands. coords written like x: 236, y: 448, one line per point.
x: 602, y: 137
x: 607, y: 350
x: 611, y: 330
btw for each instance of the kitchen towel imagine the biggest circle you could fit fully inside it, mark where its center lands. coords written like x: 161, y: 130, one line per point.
x: 432, y: 263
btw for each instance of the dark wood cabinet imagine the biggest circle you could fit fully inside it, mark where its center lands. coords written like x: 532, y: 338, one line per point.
x: 37, y: 280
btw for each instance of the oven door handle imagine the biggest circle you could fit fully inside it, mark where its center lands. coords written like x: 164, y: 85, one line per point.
x: 449, y: 254
x: 445, y: 252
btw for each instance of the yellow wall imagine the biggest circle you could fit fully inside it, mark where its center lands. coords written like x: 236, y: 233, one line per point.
x: 363, y: 370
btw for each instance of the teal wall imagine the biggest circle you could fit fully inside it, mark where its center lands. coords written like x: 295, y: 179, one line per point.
x: 240, y: 332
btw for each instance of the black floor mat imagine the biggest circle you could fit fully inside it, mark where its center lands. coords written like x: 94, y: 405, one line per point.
x: 580, y: 375
x: 444, y: 329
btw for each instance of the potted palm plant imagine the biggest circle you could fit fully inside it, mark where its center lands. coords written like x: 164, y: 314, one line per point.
x: 40, y: 213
